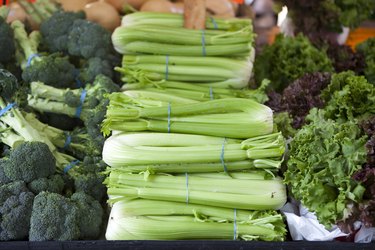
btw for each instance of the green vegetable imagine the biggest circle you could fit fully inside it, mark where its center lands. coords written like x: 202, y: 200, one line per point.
x: 367, y: 48
x: 162, y: 220
x: 183, y: 152
x: 323, y: 157
x: 231, y: 117
x: 52, y: 184
x: 287, y: 59
x: 55, y: 217
x: 7, y: 48
x: 240, y: 190
x: 16, y: 203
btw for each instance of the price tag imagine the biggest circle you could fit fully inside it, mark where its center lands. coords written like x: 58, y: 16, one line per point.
x: 238, y: 1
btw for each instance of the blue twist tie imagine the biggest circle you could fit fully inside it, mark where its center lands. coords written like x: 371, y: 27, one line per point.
x: 166, y: 67
x: 7, y: 108
x: 31, y: 57
x: 67, y: 141
x: 214, y: 22
x: 211, y: 93
x: 70, y: 166
x: 169, y: 117
x: 82, y: 99
x: 222, y: 156
x: 79, y: 84
x: 203, y: 44
x: 187, y: 188
x: 235, y: 225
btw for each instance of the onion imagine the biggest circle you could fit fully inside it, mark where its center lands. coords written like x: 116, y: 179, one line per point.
x: 220, y: 8
x: 162, y: 6
x: 104, y: 14
x: 74, y: 5
x: 16, y: 12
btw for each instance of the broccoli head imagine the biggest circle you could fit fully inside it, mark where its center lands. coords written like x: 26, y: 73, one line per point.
x: 3, y: 178
x: 55, y: 30
x: 87, y: 39
x: 8, y: 85
x: 30, y: 161
x: 7, y: 47
x: 93, y: 67
x: 90, y: 215
x: 88, y: 178
x: 53, y: 70
x: 53, y: 217
x: 52, y: 184
x: 16, y: 203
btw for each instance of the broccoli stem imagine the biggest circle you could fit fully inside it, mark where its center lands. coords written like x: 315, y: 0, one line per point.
x: 16, y: 121
x: 28, y: 44
x: 39, y: 89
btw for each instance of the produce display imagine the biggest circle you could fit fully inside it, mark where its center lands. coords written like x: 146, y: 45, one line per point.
x: 134, y: 127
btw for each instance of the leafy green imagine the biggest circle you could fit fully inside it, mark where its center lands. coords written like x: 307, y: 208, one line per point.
x: 368, y: 49
x: 288, y: 59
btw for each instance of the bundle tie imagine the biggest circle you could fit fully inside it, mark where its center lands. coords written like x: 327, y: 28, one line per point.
x: 187, y: 188
x: 7, y: 108
x: 222, y: 156
x: 70, y: 166
x: 211, y: 93
x: 166, y: 67
x: 79, y: 84
x: 203, y: 43
x: 68, y: 140
x: 79, y: 108
x: 235, y: 225
x: 31, y: 57
x: 214, y: 23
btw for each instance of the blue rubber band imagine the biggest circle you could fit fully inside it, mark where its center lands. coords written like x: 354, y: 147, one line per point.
x: 187, y: 188
x: 222, y: 156
x: 211, y: 93
x: 169, y: 117
x: 166, y: 67
x: 82, y: 99
x: 79, y: 84
x: 235, y: 225
x: 31, y: 57
x: 7, y: 108
x: 67, y: 141
x: 214, y: 22
x: 203, y: 44
x: 70, y: 166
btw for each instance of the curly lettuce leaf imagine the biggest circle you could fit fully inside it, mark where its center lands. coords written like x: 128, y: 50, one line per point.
x: 367, y: 48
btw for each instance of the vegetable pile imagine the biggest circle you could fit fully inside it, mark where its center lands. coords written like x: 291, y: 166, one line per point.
x: 51, y: 168
x: 184, y: 146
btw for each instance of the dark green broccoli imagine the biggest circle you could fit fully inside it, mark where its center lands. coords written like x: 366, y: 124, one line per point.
x: 3, y: 178
x: 53, y: 217
x: 7, y: 47
x: 55, y: 30
x: 30, y: 161
x: 16, y: 203
x: 287, y: 59
x: 90, y: 215
x: 87, y: 39
x: 51, y: 69
x: 93, y: 67
x: 88, y: 178
x: 8, y: 85
x: 52, y: 184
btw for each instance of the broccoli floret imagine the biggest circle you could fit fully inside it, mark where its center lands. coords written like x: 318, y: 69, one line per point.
x: 8, y: 84
x: 90, y: 215
x: 3, y: 178
x: 7, y: 48
x: 52, y: 184
x: 55, y: 30
x: 87, y: 39
x: 93, y: 67
x: 16, y: 203
x: 30, y: 161
x: 53, y: 217
x: 53, y: 70
x: 88, y: 178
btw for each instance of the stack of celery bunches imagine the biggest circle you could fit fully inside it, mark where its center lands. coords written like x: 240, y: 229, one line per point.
x: 192, y: 153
